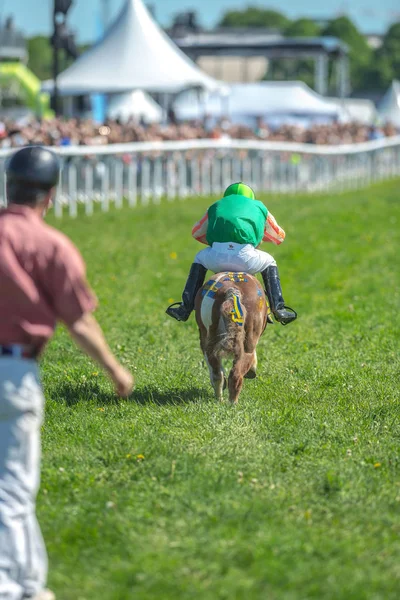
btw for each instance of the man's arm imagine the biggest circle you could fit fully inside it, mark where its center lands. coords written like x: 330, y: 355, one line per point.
x: 87, y: 333
x: 272, y: 232
x: 73, y: 303
x: 199, y: 231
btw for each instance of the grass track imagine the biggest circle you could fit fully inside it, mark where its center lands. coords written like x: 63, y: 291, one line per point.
x: 294, y: 494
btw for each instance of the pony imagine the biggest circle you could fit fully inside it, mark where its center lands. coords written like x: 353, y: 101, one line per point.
x: 231, y: 314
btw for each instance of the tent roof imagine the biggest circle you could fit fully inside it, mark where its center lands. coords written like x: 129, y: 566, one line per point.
x: 136, y: 104
x: 389, y: 107
x: 263, y: 99
x: 134, y: 53
x: 357, y: 110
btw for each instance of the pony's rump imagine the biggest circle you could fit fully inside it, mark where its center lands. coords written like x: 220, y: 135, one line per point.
x: 232, y: 307
x: 233, y: 315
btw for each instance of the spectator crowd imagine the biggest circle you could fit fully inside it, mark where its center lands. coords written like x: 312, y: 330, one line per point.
x: 72, y: 132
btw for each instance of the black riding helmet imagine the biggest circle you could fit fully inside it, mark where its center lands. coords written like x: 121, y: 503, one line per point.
x: 33, y: 167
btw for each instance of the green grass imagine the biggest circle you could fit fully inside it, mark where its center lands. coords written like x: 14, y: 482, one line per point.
x: 293, y: 494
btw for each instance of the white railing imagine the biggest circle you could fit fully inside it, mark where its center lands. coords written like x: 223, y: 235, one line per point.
x: 147, y: 172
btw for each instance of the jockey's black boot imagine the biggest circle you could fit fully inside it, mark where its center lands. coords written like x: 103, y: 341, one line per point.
x: 181, y: 310
x: 283, y: 314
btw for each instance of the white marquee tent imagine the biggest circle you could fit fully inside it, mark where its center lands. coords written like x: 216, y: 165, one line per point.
x: 287, y: 101
x: 356, y: 110
x: 389, y: 107
x: 134, y: 54
x: 137, y: 105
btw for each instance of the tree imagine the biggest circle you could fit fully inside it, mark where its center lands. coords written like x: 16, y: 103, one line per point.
x: 40, y: 59
x: 390, y: 50
x: 254, y: 17
x: 302, y: 69
x: 385, y: 64
x: 40, y: 56
x: 379, y: 75
x: 360, y: 54
x: 303, y: 28
x: 293, y: 68
x: 260, y: 18
x: 344, y: 29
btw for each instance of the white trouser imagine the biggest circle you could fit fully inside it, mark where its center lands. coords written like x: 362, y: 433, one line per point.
x: 23, y: 559
x: 229, y: 256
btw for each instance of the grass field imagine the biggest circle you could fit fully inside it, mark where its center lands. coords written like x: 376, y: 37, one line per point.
x: 295, y: 493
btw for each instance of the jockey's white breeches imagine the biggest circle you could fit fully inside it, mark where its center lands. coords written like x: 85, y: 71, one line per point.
x: 229, y: 256
x: 23, y: 560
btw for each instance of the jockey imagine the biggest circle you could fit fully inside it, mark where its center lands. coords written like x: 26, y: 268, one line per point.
x: 233, y: 228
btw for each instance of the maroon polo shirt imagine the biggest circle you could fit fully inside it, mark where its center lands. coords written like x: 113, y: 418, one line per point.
x: 42, y: 279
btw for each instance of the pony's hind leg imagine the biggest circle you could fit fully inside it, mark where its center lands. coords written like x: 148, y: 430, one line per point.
x: 252, y: 372
x: 217, y: 376
x: 238, y: 371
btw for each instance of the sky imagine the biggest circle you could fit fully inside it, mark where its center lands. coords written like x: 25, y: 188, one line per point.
x: 34, y: 16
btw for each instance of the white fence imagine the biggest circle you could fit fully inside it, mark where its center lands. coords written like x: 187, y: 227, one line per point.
x: 147, y: 172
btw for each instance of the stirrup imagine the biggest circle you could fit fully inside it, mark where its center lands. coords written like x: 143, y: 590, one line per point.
x: 173, y: 304
x: 289, y: 309
x: 171, y: 312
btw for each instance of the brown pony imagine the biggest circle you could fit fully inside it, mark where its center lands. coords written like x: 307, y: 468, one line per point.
x: 231, y: 313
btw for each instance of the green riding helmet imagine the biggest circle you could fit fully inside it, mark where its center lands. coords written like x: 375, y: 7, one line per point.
x: 239, y: 189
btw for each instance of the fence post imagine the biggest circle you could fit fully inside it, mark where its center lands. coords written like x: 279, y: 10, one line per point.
x: 236, y: 168
x: 119, y: 183
x: 207, y: 166
x: 246, y: 169
x: 105, y: 187
x: 89, y: 189
x: 158, y: 183
x: 205, y: 175
x: 216, y: 176
x: 58, y: 209
x: 226, y: 172
x: 72, y: 191
x: 182, y: 181
x: 171, y: 178
x: 132, y: 182
x: 194, y: 176
x: 145, y: 189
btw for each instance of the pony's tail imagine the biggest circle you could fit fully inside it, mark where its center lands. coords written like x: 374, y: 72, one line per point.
x: 233, y: 314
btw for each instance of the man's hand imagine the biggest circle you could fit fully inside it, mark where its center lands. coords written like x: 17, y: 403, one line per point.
x: 123, y: 381
x: 87, y: 334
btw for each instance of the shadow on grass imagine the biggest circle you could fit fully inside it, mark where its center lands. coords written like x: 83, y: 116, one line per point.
x: 72, y: 393
x: 151, y: 395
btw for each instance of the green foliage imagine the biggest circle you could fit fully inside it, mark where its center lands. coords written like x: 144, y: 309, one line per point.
x: 40, y: 56
x: 391, y: 47
x: 254, y: 17
x: 303, y: 28
x: 344, y: 29
x: 379, y: 75
x: 368, y: 69
x: 291, y: 69
x: 384, y: 65
x: 294, y: 493
x: 360, y: 54
x: 40, y: 59
x: 388, y: 56
x: 299, y: 69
